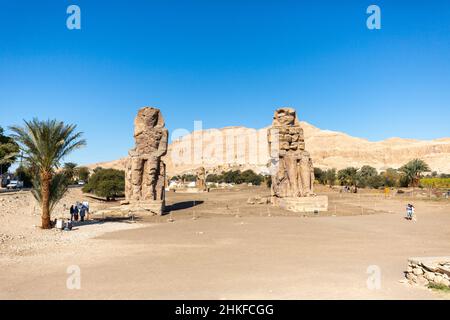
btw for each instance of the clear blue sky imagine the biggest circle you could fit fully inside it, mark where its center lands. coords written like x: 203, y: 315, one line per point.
x: 226, y: 63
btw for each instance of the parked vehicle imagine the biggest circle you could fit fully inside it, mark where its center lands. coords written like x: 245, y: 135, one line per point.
x: 81, y: 183
x: 15, y: 184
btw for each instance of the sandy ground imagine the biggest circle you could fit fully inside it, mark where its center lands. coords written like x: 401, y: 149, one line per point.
x: 220, y: 247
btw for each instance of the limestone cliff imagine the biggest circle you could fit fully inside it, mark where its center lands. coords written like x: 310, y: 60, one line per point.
x: 245, y: 148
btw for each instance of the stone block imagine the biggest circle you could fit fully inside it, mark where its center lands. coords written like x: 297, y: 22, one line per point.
x: 303, y: 204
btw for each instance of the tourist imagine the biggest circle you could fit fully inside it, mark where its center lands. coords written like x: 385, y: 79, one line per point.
x: 72, y: 212
x: 75, y: 213
x: 86, y: 206
x: 409, y: 211
x: 82, y: 213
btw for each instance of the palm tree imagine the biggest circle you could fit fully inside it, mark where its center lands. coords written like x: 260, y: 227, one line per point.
x: 413, y: 171
x: 70, y: 171
x: 45, y: 144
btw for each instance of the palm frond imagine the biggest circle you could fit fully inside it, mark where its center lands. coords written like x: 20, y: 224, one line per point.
x: 58, y: 188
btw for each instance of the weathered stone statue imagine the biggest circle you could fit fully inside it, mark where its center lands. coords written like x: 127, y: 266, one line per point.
x: 145, y: 172
x: 200, y: 181
x: 293, y: 177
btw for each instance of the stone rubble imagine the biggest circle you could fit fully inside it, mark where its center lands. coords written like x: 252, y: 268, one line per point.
x: 429, y: 270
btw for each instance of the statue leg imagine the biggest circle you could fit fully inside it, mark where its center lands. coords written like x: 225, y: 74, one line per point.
x: 152, y: 175
x: 137, y: 166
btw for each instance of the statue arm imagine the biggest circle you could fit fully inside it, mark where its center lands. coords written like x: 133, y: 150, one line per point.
x: 163, y: 144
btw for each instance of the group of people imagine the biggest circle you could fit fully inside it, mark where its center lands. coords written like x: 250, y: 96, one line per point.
x: 79, y: 211
x: 410, y: 210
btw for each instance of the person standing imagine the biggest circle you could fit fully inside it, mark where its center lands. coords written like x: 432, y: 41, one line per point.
x: 86, y: 206
x: 72, y: 212
x: 408, y: 211
x: 82, y: 213
x: 413, y: 211
x: 75, y: 213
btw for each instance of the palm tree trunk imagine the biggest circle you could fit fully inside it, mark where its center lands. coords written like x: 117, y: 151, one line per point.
x: 45, y: 181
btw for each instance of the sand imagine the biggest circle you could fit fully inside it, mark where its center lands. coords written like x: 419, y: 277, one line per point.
x: 224, y: 248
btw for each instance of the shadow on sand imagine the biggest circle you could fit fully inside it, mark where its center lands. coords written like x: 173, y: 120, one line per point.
x: 182, y: 205
x: 77, y: 224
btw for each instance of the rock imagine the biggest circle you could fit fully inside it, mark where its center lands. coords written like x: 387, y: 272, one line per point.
x: 418, y: 271
x: 429, y: 276
x: 411, y: 276
x: 438, y: 279
x: 445, y: 282
x: 409, y: 269
x: 429, y: 266
x: 422, y: 281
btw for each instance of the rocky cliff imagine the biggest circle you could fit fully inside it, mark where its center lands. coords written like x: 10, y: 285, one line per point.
x: 245, y: 148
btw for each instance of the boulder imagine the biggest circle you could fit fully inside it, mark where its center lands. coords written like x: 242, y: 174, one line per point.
x: 418, y: 271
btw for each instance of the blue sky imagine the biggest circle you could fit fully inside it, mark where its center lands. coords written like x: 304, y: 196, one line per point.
x: 226, y: 63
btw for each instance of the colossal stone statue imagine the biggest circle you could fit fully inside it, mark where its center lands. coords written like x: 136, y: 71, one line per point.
x: 145, y: 172
x: 293, y: 176
x: 200, y: 181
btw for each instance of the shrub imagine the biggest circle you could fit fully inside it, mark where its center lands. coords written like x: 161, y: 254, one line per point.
x: 108, y: 183
x: 237, y: 177
x: 435, y: 183
x: 25, y: 174
x: 83, y: 173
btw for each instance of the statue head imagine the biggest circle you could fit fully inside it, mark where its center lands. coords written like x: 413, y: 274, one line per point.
x: 148, y: 118
x: 285, y: 117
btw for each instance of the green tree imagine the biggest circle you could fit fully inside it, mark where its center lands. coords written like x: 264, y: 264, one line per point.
x: 330, y: 176
x: 69, y: 171
x: 83, y: 173
x: 45, y: 144
x: 108, y: 183
x: 413, y: 171
x: 320, y: 176
x: 25, y: 174
x: 367, y: 177
x: 9, y: 150
x: 391, y: 178
x: 249, y: 176
x: 347, y: 176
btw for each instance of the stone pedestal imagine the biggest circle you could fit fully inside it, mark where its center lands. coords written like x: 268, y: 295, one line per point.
x: 190, y: 190
x: 149, y: 207
x: 302, y: 204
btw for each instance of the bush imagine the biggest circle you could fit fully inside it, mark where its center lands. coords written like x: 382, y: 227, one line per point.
x: 83, y: 173
x: 108, y: 183
x: 435, y: 183
x: 237, y: 177
x: 26, y: 175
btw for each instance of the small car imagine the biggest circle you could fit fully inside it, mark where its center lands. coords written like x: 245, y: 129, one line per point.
x: 15, y: 184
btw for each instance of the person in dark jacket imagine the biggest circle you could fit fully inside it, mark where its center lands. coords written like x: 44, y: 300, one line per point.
x: 75, y: 213
x: 72, y: 212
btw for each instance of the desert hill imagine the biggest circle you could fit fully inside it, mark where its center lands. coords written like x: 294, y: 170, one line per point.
x: 245, y: 148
